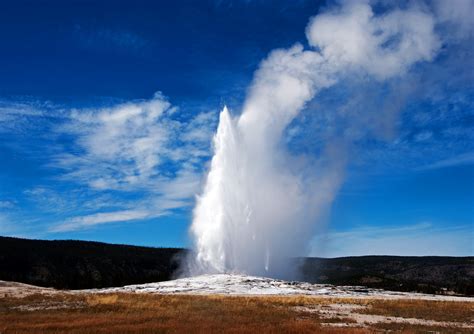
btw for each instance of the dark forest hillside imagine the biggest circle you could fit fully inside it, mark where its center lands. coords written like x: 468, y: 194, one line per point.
x: 69, y: 264
x: 427, y: 274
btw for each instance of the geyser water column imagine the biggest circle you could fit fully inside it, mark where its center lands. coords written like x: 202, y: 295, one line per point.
x: 247, y: 218
x: 256, y: 210
x: 259, y: 206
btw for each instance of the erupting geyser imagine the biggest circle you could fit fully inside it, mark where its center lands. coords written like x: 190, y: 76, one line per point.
x: 254, y: 211
x: 260, y: 204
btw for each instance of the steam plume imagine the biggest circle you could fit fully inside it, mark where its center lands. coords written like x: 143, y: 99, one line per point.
x: 260, y: 204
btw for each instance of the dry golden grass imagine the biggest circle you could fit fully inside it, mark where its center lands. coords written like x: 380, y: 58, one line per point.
x: 144, y: 313
x: 423, y: 309
x: 415, y: 329
x: 125, y: 313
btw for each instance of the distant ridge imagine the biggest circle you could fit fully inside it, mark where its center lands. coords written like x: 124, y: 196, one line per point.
x: 426, y: 274
x: 72, y: 264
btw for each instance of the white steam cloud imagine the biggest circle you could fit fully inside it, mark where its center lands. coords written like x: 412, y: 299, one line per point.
x: 260, y: 204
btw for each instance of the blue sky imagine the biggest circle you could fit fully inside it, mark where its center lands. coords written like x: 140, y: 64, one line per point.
x: 107, y: 111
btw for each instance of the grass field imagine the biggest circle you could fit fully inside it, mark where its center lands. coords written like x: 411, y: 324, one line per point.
x: 146, y: 313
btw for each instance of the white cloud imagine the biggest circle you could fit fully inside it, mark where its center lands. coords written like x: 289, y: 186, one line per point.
x: 143, y: 154
x: 88, y: 221
x: 123, y: 144
x: 124, y: 147
x: 139, y: 146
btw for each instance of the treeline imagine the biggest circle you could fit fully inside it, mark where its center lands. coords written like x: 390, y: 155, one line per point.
x: 426, y: 274
x: 70, y: 264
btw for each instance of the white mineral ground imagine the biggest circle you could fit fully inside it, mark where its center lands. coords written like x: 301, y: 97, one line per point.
x: 236, y: 284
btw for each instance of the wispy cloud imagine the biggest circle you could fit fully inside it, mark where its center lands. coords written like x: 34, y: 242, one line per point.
x: 22, y: 115
x: 7, y: 204
x: 462, y: 159
x: 141, y: 147
x: 135, y: 145
x: 88, y: 221
x: 9, y: 227
x: 410, y: 240
x: 133, y: 160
